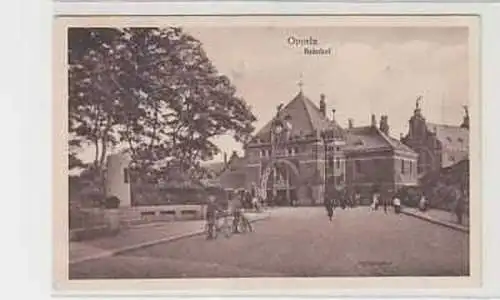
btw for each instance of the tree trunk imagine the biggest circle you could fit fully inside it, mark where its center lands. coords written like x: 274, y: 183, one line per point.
x: 96, y: 157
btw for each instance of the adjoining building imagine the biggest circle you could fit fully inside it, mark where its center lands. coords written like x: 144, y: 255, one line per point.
x: 439, y: 146
x: 302, y: 154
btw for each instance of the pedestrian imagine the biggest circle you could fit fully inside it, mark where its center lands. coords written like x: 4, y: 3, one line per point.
x: 255, y: 203
x: 329, y: 207
x: 211, y: 216
x: 422, y: 205
x: 375, y: 201
x: 235, y: 209
x: 397, y: 204
x: 357, y: 198
x: 385, y: 200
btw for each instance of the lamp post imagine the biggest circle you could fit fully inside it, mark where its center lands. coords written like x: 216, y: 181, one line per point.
x: 325, y: 137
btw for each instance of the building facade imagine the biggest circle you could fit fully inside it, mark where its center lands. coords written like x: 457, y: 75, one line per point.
x: 302, y: 154
x: 438, y: 146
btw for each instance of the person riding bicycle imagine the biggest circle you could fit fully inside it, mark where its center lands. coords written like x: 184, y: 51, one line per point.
x: 211, y: 215
x: 236, y: 209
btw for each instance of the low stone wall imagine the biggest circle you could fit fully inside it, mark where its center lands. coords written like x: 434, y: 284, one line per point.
x: 147, y: 214
x: 93, y: 223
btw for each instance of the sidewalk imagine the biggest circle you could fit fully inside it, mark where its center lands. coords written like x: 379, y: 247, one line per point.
x: 439, y: 217
x: 140, y: 237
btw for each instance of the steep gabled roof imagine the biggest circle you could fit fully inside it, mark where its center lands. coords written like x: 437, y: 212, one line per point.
x: 305, y: 118
x: 365, y: 138
x: 369, y: 138
x: 398, y: 145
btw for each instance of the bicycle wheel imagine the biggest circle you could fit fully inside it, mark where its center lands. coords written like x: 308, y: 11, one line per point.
x: 248, y: 225
x: 211, y: 231
x: 242, y: 225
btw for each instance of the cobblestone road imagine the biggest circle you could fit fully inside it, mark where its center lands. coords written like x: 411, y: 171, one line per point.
x: 301, y: 242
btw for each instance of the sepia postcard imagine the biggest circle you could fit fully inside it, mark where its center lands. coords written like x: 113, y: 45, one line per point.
x: 266, y: 154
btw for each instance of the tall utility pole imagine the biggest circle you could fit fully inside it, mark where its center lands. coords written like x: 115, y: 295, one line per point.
x: 328, y: 184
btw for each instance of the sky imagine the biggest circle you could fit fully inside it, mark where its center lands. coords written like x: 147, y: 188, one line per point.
x: 372, y: 70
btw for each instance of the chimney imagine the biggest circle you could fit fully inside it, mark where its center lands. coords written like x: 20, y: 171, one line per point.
x: 333, y: 114
x: 351, y: 123
x: 322, y: 105
x: 384, y: 124
x: 225, y: 158
x: 374, y: 121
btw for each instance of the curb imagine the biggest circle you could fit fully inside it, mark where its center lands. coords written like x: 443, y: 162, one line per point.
x: 438, y: 222
x: 146, y: 244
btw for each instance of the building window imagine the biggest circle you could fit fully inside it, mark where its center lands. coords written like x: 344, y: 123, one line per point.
x: 411, y: 167
x: 125, y: 175
x: 337, y: 161
x: 296, y: 150
x: 402, y: 166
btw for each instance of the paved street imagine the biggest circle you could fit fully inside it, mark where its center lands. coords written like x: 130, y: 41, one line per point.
x: 301, y: 242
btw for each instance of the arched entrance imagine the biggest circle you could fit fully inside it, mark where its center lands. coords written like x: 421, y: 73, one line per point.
x: 279, y: 182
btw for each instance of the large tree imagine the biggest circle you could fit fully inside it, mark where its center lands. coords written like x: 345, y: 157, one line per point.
x: 92, y: 96
x: 155, y: 90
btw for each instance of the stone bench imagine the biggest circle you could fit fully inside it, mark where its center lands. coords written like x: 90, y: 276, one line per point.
x: 165, y: 213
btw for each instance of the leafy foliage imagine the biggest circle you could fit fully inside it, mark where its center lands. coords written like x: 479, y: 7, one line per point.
x: 154, y: 90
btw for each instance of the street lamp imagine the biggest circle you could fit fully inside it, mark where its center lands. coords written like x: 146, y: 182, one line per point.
x: 326, y: 136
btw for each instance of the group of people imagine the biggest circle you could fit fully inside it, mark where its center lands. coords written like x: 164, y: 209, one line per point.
x: 248, y: 198
x: 341, y: 199
x: 237, y: 201
x: 385, y: 201
x: 345, y: 200
x: 387, y: 198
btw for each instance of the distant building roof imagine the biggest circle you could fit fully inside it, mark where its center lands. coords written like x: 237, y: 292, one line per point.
x: 397, y: 144
x: 369, y: 138
x: 232, y: 175
x: 305, y: 118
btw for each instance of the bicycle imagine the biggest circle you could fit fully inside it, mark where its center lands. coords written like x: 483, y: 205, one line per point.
x: 242, y: 224
x: 222, y: 225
